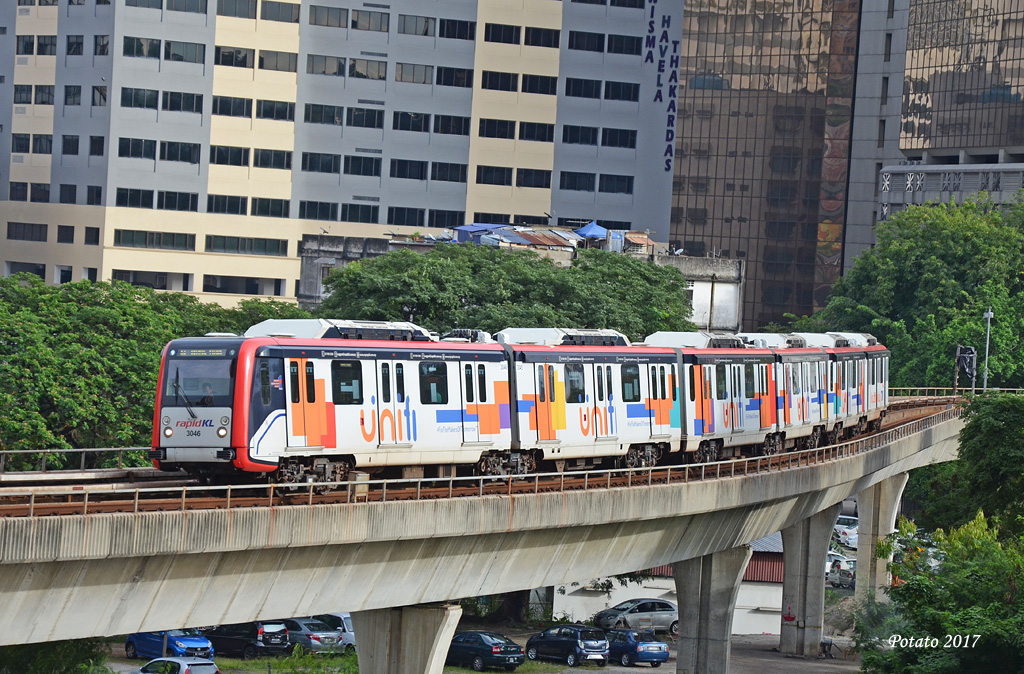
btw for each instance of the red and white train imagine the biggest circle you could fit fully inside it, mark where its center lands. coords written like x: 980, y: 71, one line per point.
x: 313, y: 399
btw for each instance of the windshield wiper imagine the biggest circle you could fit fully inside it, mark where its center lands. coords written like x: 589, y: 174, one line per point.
x: 181, y: 392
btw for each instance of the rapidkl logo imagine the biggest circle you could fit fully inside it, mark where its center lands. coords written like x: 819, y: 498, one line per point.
x: 195, y: 423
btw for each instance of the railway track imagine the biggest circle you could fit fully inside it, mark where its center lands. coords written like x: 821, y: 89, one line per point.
x: 145, y: 490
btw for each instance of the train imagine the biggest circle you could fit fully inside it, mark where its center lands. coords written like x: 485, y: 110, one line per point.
x: 313, y: 400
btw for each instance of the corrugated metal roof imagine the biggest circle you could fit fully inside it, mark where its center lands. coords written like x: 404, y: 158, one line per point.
x: 771, y: 543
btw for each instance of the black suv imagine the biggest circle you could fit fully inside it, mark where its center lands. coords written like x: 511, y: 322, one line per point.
x: 249, y: 640
x: 571, y: 644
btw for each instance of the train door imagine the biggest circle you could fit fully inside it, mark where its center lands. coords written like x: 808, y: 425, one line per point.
x: 391, y: 402
x: 766, y: 395
x: 544, y: 408
x: 602, y: 417
x: 661, y: 398
x: 472, y: 395
x: 307, y: 417
x: 707, y: 398
x: 736, y: 403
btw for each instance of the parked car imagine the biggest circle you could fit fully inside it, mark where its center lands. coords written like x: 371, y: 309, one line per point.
x: 250, y: 640
x: 845, y: 522
x: 654, y: 614
x: 571, y: 644
x: 340, y: 622
x: 832, y: 557
x: 312, y: 635
x: 178, y: 666
x: 632, y: 646
x: 188, y: 642
x: 848, y: 537
x: 843, y: 573
x: 480, y: 650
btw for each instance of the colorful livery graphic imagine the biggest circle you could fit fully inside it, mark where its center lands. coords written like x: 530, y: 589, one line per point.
x: 313, y: 399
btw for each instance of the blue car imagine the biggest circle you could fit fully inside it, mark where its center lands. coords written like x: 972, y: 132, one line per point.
x: 182, y: 643
x: 632, y: 646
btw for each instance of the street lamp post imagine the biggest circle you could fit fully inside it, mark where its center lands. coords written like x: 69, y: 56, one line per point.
x: 988, y: 326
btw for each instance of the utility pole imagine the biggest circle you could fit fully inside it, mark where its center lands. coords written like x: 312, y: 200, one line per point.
x: 988, y: 327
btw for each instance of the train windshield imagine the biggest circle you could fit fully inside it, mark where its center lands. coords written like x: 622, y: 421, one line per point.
x: 199, y: 378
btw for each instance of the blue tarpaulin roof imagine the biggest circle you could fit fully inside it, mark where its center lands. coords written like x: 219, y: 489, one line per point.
x: 592, y: 231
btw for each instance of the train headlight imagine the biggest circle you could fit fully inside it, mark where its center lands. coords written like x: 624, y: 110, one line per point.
x: 224, y: 421
x: 222, y: 432
x: 167, y: 421
x: 168, y: 432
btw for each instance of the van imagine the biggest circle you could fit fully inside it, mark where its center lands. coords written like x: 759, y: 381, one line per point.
x: 342, y: 622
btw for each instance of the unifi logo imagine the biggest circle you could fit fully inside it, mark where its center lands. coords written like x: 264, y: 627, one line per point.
x: 195, y: 423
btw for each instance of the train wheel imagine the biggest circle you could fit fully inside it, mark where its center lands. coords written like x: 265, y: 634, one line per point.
x: 633, y: 459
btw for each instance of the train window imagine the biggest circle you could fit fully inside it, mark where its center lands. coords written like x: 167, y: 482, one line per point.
x: 469, y: 383
x: 600, y: 383
x: 575, y: 384
x: 798, y: 379
x: 661, y: 378
x: 722, y: 386
x: 347, y: 382
x: 748, y: 381
x: 674, y: 383
x: 654, y: 382
x: 693, y: 383
x: 481, y: 376
x: 310, y: 383
x: 265, y: 383
x: 433, y: 383
x: 630, y: 383
x: 293, y: 376
x: 551, y: 383
x: 400, y: 382
x: 608, y: 380
x: 541, y: 389
x: 385, y: 383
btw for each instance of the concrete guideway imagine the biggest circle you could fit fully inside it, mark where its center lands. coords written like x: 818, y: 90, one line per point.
x: 96, y: 575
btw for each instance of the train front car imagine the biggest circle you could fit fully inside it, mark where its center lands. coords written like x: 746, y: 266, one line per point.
x: 193, y: 414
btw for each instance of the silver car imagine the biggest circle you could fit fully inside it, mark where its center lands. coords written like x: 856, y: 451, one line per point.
x: 340, y: 622
x: 178, y: 666
x: 656, y: 614
x: 312, y: 635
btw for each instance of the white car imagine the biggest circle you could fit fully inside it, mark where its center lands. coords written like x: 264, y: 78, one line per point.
x: 845, y: 522
x: 848, y: 537
x: 832, y: 557
x: 843, y: 573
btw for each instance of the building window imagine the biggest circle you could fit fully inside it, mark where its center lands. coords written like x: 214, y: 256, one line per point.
x: 177, y: 201
x: 409, y: 217
x: 134, y: 238
x: 277, y: 110
x: 76, y: 45
x: 533, y: 178
x: 621, y: 91
x: 446, y: 219
x: 332, y: 17
x: 100, y: 45
x: 147, y: 4
x: 285, y: 12
x: 613, y: 184
x: 39, y: 192
x: 99, y: 97
x: 578, y: 88
x: 625, y: 44
x: 409, y: 169
x: 500, y: 32
x: 318, y: 210
x: 316, y: 162
x: 317, y: 64
x: 542, y: 37
x: 577, y: 182
x: 179, y: 101
x: 193, y: 6
x: 137, y: 148
x: 324, y: 114
x: 186, y: 52
x: 178, y: 151
x: 881, y: 133
x: 540, y: 84
x: 68, y: 195
x: 139, y: 98
x: 21, y: 143
x: 18, y: 191
x: 270, y: 208
x: 246, y: 246
x: 66, y: 233
x: 362, y: 166
x: 366, y: 118
x: 223, y: 203
x: 133, y: 198
x: 591, y: 2
x: 887, y: 49
x: 366, y: 69
x: 93, y: 197
x: 25, y: 45
x: 451, y: 125
x: 536, y: 131
x: 360, y: 213
x: 497, y: 128
x: 26, y: 231
x: 586, y: 41
x: 235, y: 57
x: 229, y: 156
x: 579, y: 135
x: 499, y: 81
x: 411, y: 121
x: 415, y: 25
x: 633, y: 4
x: 141, y: 47
x: 493, y: 175
x: 282, y: 61
x: 491, y: 218
x: 242, y: 9
x: 618, y: 138
x: 72, y: 94
x: 365, y: 20
x: 448, y: 172
x: 272, y: 159
x: 44, y: 94
x: 455, y: 29
x: 415, y: 73
x: 23, y: 93
x: 228, y: 106
x: 454, y: 77
x: 97, y: 146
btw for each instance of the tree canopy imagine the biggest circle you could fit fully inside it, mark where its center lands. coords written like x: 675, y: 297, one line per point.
x: 469, y: 286
x: 923, y: 288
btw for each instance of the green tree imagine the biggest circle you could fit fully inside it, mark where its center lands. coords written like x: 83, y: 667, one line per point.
x: 468, y: 286
x: 81, y: 656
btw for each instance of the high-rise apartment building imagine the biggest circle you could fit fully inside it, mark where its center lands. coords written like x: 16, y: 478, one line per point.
x: 189, y: 144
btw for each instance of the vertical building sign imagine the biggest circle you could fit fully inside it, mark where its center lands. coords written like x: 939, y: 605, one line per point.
x: 661, y: 52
